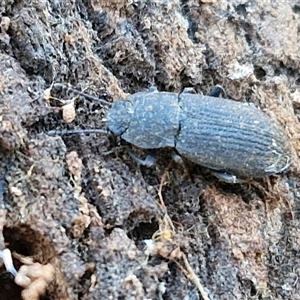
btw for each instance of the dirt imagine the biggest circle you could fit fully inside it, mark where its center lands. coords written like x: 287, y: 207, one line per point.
x: 105, y: 227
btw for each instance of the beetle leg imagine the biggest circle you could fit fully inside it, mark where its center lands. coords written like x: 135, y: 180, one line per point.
x: 189, y: 90
x: 149, y: 161
x: 8, y: 262
x: 177, y: 158
x: 217, y: 91
x: 152, y: 89
x: 230, y: 178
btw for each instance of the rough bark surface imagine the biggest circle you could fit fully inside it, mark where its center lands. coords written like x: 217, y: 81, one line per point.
x: 82, y: 205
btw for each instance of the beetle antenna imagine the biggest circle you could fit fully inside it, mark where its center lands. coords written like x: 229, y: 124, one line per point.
x: 87, y: 96
x: 75, y: 131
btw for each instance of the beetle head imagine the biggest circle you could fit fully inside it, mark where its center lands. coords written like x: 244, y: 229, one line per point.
x: 119, y: 117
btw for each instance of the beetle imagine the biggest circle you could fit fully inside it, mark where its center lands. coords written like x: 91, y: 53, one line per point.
x: 233, y: 139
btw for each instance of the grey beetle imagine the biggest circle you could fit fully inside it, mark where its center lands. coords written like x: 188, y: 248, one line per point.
x: 236, y: 140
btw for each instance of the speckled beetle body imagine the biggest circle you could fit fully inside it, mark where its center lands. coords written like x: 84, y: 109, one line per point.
x: 221, y: 134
